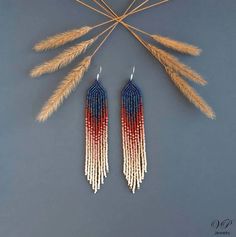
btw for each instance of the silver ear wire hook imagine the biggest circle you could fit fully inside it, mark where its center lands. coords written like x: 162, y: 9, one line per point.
x: 132, y: 74
x: 98, y: 75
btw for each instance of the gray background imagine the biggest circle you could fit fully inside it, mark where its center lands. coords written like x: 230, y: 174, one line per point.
x: 191, y: 177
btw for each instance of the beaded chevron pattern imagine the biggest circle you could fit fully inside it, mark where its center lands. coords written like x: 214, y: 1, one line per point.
x: 133, y: 136
x: 96, y: 129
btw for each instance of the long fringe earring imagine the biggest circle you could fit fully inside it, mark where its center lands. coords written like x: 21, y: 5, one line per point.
x: 96, y: 123
x: 133, y: 135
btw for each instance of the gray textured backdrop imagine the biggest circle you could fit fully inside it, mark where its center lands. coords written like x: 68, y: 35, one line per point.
x: 191, y: 177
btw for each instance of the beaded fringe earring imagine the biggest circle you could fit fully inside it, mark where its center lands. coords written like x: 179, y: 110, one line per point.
x: 133, y: 135
x: 96, y: 129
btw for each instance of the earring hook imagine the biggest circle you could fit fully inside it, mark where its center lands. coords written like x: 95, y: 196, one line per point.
x: 132, y: 74
x: 98, y: 75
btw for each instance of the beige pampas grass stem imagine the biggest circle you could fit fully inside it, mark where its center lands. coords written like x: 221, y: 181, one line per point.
x: 183, y: 86
x: 190, y: 93
x: 64, y: 89
x: 105, y: 38
x: 61, y: 39
x: 177, y: 45
x: 66, y: 57
x: 170, y: 43
x: 69, y: 83
x: 63, y: 59
x: 134, y: 11
x: 166, y: 58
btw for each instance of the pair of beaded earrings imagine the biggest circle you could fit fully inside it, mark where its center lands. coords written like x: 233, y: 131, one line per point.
x: 132, y: 130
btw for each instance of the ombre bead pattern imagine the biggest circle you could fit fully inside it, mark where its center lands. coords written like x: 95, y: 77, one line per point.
x: 133, y: 136
x: 96, y: 129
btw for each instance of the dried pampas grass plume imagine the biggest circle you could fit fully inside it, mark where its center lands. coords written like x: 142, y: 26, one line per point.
x: 173, y: 63
x: 177, y: 45
x: 61, y: 39
x: 63, y: 59
x: 64, y: 89
x: 174, y: 68
x: 190, y: 93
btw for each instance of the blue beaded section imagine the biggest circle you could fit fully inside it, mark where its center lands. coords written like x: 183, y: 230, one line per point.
x: 131, y: 98
x: 96, y: 99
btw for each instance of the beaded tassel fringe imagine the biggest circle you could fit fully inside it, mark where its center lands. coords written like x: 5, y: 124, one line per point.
x: 96, y: 122
x: 133, y: 136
